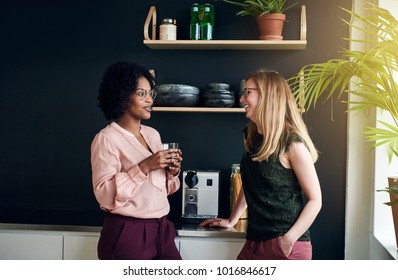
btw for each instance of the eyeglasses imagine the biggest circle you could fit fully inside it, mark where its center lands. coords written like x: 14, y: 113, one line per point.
x: 143, y: 93
x: 247, y: 91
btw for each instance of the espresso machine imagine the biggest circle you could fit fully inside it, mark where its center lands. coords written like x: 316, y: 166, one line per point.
x: 200, y: 192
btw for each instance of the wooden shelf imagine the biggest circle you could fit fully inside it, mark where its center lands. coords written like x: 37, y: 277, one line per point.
x: 226, y: 45
x: 199, y: 109
x: 223, y: 44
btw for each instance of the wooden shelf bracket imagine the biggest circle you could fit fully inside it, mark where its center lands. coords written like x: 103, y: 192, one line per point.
x: 150, y: 17
x: 303, y: 24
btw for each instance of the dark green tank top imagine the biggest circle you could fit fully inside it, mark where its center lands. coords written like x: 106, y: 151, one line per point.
x: 273, y: 195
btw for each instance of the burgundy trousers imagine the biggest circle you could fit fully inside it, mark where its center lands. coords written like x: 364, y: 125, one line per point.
x: 271, y: 250
x: 127, y: 238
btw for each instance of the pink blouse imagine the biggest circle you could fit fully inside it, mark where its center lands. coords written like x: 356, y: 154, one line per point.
x: 119, y: 184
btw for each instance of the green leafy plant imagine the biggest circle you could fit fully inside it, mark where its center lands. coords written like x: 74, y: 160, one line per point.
x: 374, y: 71
x: 260, y: 7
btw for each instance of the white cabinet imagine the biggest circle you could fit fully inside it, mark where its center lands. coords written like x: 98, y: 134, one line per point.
x: 69, y: 243
x: 177, y: 242
x: 30, y: 245
x: 46, y: 242
x: 207, y: 248
x: 80, y: 247
x: 83, y: 246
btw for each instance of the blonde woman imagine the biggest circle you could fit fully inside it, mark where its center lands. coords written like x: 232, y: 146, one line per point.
x: 281, y: 189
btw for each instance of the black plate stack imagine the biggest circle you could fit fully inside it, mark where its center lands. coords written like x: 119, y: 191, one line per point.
x: 176, y: 95
x: 218, y: 95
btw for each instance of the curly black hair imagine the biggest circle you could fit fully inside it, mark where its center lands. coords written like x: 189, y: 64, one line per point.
x: 118, y: 84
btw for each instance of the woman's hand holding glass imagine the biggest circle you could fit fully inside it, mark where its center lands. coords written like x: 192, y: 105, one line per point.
x: 174, y: 154
x: 169, y: 158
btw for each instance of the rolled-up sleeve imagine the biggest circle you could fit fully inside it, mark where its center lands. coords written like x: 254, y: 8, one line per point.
x: 173, y: 183
x: 113, y: 187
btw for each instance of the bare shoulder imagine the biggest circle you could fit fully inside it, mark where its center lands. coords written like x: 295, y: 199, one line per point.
x: 296, y: 151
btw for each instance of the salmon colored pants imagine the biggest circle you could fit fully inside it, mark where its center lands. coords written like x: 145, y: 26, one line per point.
x: 127, y: 238
x: 271, y: 250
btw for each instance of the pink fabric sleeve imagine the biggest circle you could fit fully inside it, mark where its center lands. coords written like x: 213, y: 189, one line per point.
x: 112, y: 187
x: 173, y: 183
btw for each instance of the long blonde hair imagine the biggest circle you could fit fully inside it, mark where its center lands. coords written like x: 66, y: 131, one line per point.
x: 277, y: 115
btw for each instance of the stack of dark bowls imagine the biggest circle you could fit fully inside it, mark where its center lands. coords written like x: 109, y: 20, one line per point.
x: 176, y: 95
x: 218, y: 95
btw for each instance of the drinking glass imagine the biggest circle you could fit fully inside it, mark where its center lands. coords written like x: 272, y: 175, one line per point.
x: 166, y: 146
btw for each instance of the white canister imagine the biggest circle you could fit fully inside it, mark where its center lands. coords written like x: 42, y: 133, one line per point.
x: 168, y: 29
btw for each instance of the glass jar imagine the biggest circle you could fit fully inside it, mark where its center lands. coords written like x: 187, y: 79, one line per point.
x: 236, y: 187
x: 168, y: 29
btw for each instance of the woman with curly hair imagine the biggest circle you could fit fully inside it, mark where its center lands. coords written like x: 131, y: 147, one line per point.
x: 132, y: 176
x: 277, y: 167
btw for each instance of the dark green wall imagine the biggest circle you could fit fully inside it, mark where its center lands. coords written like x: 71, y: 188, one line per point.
x: 53, y: 54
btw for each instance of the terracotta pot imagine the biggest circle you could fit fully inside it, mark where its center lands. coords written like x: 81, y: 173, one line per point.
x: 391, y: 182
x: 270, y: 26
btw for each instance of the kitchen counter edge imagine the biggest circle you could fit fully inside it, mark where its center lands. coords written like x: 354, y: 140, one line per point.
x: 181, y: 230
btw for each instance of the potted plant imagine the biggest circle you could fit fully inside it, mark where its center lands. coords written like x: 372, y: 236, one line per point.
x: 269, y: 15
x: 375, y: 72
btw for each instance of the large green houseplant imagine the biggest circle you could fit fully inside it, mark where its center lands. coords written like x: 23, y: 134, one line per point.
x: 374, y: 74
x: 268, y: 13
x: 375, y: 70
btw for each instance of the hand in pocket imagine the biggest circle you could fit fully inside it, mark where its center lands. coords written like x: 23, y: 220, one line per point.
x: 285, y: 245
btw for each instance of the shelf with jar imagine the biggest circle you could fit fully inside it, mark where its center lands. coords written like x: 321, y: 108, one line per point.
x: 152, y: 43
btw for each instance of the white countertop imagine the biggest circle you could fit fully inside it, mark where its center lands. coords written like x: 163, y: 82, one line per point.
x: 183, y: 230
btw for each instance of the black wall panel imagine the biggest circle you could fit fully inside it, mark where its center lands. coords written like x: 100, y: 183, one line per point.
x: 53, y: 54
